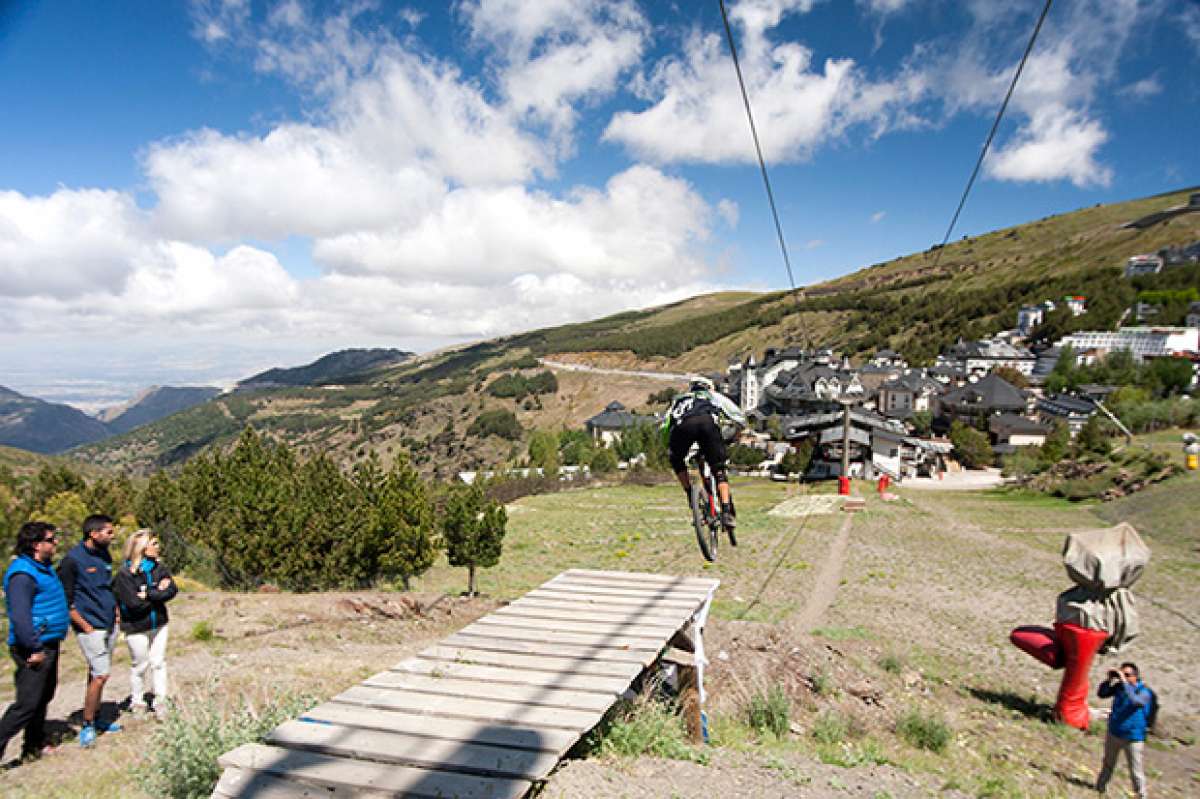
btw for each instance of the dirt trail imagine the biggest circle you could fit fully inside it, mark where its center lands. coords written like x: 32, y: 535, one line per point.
x: 828, y: 579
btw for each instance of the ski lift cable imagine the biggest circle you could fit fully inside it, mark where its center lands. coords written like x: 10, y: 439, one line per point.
x: 992, y: 134
x: 762, y: 165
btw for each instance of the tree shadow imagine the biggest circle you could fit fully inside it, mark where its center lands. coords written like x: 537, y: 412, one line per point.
x: 1026, y: 706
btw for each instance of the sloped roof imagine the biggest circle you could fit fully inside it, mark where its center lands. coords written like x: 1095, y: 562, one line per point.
x: 991, y: 393
x: 615, y: 417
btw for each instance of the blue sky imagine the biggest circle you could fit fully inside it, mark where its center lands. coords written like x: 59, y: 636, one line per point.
x: 191, y: 192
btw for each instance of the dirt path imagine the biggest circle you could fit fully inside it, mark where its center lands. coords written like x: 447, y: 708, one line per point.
x: 828, y: 579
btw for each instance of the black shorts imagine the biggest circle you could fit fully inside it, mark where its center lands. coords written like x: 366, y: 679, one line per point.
x: 700, y: 429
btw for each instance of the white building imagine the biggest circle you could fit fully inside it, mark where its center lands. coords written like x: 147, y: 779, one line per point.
x: 1193, y: 317
x: 1077, y: 304
x: 981, y: 357
x: 1143, y: 342
x: 1143, y: 265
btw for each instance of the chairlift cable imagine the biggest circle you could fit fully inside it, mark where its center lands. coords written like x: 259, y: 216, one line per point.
x: 992, y: 134
x: 762, y: 165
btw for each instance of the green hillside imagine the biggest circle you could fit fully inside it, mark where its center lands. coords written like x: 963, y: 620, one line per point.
x: 916, y: 304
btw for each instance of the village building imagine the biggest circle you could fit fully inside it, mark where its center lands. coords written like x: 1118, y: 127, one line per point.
x: 1010, y: 430
x: 990, y: 396
x: 1143, y: 265
x: 1142, y: 342
x: 1072, y: 411
x: 981, y: 357
x: 608, y: 425
x: 875, y: 443
x: 1076, y: 304
x: 811, y: 387
x: 1030, y: 316
x: 909, y: 393
x: 1193, y: 317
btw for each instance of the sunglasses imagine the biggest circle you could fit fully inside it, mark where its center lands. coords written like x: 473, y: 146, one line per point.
x: 50, y: 540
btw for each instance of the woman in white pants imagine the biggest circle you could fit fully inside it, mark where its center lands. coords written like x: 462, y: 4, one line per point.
x: 143, y: 587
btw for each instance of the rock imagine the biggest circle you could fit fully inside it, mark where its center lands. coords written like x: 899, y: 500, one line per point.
x: 268, y: 588
x: 722, y: 655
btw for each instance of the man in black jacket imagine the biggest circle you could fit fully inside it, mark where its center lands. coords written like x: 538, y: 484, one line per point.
x: 86, y: 573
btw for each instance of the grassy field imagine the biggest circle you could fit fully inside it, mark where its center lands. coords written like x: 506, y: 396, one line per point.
x: 901, y: 682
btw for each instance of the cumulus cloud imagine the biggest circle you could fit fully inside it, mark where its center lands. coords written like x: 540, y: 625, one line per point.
x: 1142, y: 89
x: 68, y: 243
x: 798, y: 104
x: 878, y: 217
x: 1057, y: 144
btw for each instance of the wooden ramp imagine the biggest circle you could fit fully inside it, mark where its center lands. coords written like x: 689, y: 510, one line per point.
x: 488, y: 710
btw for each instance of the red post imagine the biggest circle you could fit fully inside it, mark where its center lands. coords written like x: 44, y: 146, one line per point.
x: 843, y: 485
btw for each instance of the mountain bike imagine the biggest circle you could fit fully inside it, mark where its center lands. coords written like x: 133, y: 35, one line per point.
x: 706, y: 509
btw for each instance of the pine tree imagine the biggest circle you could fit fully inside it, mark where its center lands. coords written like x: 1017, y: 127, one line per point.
x: 403, y: 524
x: 473, y: 527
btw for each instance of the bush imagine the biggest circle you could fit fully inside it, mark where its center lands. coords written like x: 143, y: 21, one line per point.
x: 646, y: 727
x: 832, y: 727
x: 203, y: 631
x: 182, y: 762
x: 769, y: 711
x: 892, y: 663
x: 496, y: 423
x: 924, y: 732
x: 603, y: 462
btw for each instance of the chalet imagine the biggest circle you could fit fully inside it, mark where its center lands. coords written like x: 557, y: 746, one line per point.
x: 981, y: 357
x: 811, y: 387
x: 1073, y: 411
x: 990, y: 396
x: 908, y: 394
x: 608, y: 425
x: 888, y: 359
x: 1030, y: 316
x: 875, y: 443
x: 1076, y: 304
x: 1017, y: 431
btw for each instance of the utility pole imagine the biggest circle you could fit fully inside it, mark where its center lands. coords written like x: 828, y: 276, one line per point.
x: 845, y: 437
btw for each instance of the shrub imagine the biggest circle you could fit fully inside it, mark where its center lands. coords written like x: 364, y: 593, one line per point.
x: 970, y: 446
x: 203, y: 631
x: 891, y: 663
x: 831, y: 728
x: 182, y: 762
x: 646, y: 727
x: 603, y: 462
x: 769, y: 711
x: 924, y: 732
x: 500, y: 423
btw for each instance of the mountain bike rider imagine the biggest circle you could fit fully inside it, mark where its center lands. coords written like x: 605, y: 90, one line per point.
x: 695, y: 418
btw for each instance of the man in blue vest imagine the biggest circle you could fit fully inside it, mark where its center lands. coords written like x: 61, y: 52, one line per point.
x: 87, y: 577
x: 1127, y: 724
x: 37, y: 624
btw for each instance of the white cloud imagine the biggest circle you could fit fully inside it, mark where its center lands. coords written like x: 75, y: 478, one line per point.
x: 1142, y: 89
x: 798, y: 105
x: 556, y: 54
x: 67, y: 244
x: 215, y: 21
x: 878, y: 216
x: 1057, y: 144
x: 1190, y: 23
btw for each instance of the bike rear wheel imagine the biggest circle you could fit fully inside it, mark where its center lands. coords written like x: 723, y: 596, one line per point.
x: 705, y: 522
x: 729, y: 530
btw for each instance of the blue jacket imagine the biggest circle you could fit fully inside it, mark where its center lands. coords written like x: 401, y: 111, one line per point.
x: 1130, y: 709
x: 87, y: 578
x: 48, y: 617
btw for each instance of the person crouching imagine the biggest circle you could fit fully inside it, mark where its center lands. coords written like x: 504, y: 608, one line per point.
x: 143, y: 587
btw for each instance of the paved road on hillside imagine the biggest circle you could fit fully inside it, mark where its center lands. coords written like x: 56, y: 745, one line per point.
x: 579, y: 367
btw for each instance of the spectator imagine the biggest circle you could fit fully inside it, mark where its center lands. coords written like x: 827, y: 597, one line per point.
x: 87, y: 576
x: 143, y: 588
x: 1127, y: 724
x: 37, y: 616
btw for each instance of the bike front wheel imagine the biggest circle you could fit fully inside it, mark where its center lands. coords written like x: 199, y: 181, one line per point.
x: 705, y: 522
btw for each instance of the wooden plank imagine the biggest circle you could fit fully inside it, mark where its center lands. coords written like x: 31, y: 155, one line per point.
x: 641, y: 589
x: 659, y: 625
x: 521, y: 647
x: 364, y: 776
x: 657, y: 635
x: 650, y: 595
x: 643, y: 577
x: 488, y: 710
x: 613, y: 601
x: 236, y: 783
x: 562, y: 664
x: 552, y: 636
x: 412, y: 750
x: 373, y: 718
x: 515, y: 676
x: 520, y: 694
x: 675, y: 617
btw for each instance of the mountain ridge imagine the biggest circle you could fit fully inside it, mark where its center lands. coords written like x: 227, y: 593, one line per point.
x: 916, y: 304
